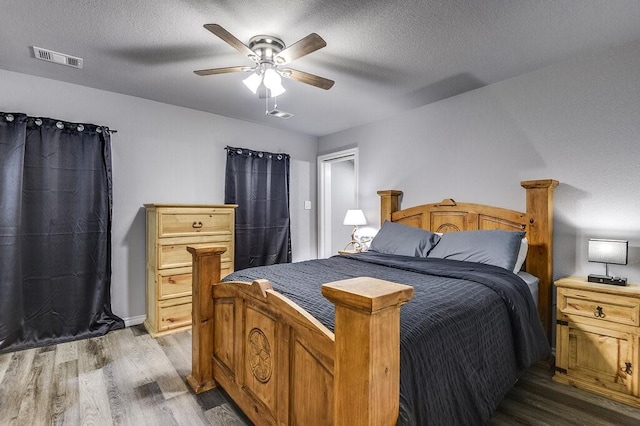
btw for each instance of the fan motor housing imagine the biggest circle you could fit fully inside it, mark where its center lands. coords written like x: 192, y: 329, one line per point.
x: 266, y: 46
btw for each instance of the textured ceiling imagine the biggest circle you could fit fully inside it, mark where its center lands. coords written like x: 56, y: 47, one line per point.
x: 385, y: 56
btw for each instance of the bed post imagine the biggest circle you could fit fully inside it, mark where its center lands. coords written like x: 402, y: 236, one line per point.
x: 389, y: 203
x: 540, y: 236
x: 205, y: 273
x: 367, y: 358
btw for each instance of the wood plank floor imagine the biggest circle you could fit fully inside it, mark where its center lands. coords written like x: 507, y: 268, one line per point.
x: 128, y: 378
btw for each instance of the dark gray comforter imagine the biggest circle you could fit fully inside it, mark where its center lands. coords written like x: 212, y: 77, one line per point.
x: 466, y: 336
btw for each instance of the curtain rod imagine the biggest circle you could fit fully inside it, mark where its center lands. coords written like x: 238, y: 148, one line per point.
x: 9, y: 117
x: 258, y: 152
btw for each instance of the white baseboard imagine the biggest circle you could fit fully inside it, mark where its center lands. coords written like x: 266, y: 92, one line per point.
x: 128, y: 322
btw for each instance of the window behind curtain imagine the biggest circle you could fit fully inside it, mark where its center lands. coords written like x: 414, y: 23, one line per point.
x: 258, y: 182
x: 55, y: 232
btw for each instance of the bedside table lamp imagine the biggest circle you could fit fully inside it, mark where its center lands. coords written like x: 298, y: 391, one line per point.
x: 354, y: 218
x: 608, y: 251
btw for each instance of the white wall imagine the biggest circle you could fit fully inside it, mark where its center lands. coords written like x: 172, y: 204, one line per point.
x: 577, y: 121
x: 164, y: 154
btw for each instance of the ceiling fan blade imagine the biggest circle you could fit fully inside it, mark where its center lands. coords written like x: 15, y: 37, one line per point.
x: 305, y: 77
x: 225, y: 70
x: 232, y: 41
x: 302, y: 47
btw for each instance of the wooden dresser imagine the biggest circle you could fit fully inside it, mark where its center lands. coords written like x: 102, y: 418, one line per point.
x: 598, y: 338
x: 170, y: 229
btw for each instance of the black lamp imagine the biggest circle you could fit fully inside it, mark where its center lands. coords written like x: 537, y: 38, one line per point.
x: 608, y: 251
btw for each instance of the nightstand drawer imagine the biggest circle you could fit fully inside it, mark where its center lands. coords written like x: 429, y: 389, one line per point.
x: 599, y: 306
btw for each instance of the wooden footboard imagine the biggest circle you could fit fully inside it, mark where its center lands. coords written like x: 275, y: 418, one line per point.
x: 280, y: 365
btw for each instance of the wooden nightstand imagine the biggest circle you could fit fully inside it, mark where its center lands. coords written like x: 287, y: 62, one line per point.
x: 598, y: 338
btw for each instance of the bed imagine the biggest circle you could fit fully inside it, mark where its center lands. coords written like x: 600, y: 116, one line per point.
x: 287, y: 355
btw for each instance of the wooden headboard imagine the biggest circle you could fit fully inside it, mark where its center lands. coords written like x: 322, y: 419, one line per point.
x: 537, y: 222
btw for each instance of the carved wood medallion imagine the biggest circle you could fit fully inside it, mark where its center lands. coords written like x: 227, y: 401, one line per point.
x: 259, y: 355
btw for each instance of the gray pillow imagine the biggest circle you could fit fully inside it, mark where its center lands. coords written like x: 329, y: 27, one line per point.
x: 493, y: 247
x: 394, y: 238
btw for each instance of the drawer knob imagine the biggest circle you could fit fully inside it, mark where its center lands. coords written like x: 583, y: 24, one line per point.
x: 599, y: 313
x: 196, y: 225
x: 627, y: 368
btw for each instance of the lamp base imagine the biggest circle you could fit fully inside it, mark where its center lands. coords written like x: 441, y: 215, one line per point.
x: 357, y: 247
x: 603, y: 279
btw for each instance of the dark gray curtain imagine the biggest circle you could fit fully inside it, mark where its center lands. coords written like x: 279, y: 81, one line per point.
x: 258, y: 182
x: 55, y: 232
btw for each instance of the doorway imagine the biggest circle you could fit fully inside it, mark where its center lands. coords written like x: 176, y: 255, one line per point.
x: 337, y: 193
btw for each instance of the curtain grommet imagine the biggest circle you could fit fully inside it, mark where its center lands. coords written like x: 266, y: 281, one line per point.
x: 9, y: 117
x: 59, y: 125
x: 80, y: 127
x: 38, y: 122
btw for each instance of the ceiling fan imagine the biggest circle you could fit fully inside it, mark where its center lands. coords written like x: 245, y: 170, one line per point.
x: 270, y: 55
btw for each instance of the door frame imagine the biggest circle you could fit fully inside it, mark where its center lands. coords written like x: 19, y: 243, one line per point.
x: 324, y: 195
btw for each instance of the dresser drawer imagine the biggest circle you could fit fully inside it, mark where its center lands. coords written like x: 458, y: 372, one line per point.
x: 174, y: 313
x: 599, y: 306
x: 200, y: 222
x: 178, y: 282
x: 172, y: 253
x: 174, y: 283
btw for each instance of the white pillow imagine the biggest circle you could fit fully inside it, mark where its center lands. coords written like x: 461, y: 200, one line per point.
x: 522, y: 255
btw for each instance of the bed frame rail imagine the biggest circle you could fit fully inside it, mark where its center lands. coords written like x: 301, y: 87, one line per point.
x: 282, y: 366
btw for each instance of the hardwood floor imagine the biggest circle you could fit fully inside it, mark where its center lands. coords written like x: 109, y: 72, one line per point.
x: 128, y: 378
x: 537, y: 400
x: 122, y: 378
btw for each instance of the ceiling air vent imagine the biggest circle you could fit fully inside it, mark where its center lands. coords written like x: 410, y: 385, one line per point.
x: 56, y: 57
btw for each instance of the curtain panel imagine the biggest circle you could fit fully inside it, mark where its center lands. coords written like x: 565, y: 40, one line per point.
x: 55, y: 232
x: 258, y: 182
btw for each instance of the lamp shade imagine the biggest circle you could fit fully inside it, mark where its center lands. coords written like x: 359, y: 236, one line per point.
x: 608, y: 251
x: 354, y: 218
x: 273, y: 82
x: 253, y: 81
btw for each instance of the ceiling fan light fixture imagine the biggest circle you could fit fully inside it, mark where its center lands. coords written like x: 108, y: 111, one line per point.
x: 267, y: 83
x: 273, y: 82
x: 253, y: 81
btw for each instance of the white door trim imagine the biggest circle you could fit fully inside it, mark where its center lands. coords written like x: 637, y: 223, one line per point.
x: 324, y: 195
